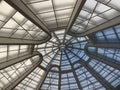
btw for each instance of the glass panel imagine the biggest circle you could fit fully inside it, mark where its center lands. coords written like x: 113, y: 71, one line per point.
x: 109, y: 35
x: 5, y: 10
x: 68, y: 82
x: 49, y: 11
x: 87, y: 81
x: 32, y: 80
x: 95, y: 14
x: 8, y: 52
x: 15, y: 25
x: 20, y: 19
x: 13, y: 72
x: 108, y: 73
x: 64, y: 4
x: 53, y: 78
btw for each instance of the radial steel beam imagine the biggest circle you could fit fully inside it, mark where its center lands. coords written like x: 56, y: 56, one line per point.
x: 23, y: 76
x: 96, y: 75
x: 45, y: 75
x: 59, y: 84
x: 74, y: 73
x: 99, y: 78
x: 108, y: 62
x: 56, y: 37
x: 108, y: 24
x: 78, y: 6
x: 20, y: 6
x: 101, y: 59
x: 104, y: 45
x: 18, y: 59
x: 60, y: 73
x: 15, y: 41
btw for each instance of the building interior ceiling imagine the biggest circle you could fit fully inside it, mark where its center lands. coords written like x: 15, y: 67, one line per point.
x: 59, y: 45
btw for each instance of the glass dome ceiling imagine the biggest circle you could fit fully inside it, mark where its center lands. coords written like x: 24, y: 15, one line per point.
x: 59, y: 45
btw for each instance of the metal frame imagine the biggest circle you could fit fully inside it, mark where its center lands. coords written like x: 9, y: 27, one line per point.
x: 53, y: 42
x: 21, y: 7
x: 77, y: 9
x: 14, y: 41
x: 17, y: 60
x: 36, y: 64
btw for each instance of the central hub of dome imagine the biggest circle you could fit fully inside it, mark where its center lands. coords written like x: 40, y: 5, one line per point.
x: 62, y: 46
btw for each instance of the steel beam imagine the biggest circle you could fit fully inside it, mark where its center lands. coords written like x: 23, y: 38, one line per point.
x: 108, y: 24
x: 95, y: 74
x: 76, y: 11
x: 42, y: 68
x: 45, y: 75
x: 104, y: 45
x: 74, y: 73
x: 98, y: 77
x: 108, y: 62
x: 20, y: 6
x: 23, y: 76
x: 16, y: 60
x: 59, y: 84
x: 101, y: 59
x: 58, y: 28
x: 109, y: 5
x: 31, y: 50
x: 15, y: 41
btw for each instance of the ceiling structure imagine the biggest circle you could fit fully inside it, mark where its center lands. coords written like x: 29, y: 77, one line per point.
x: 59, y: 45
